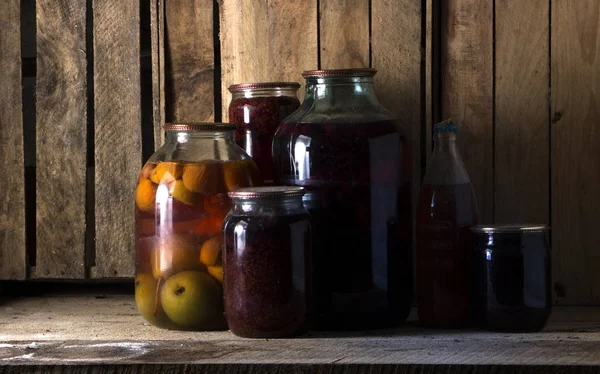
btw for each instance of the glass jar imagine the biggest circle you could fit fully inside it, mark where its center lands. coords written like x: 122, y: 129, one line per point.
x: 353, y: 158
x: 267, y: 264
x: 511, y: 277
x: 181, y: 203
x: 257, y: 109
x: 446, y: 210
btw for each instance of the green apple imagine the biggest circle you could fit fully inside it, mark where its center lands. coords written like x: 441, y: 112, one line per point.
x: 192, y: 300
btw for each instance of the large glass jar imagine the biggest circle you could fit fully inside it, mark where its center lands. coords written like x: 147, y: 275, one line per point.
x: 257, y: 109
x: 181, y: 203
x: 353, y: 158
x: 267, y: 263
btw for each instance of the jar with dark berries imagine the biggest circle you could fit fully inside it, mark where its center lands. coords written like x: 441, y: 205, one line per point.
x: 257, y: 109
x: 267, y: 263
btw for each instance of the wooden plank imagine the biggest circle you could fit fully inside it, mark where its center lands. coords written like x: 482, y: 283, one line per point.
x: 466, y: 92
x: 12, y: 184
x: 61, y: 138
x: 157, y: 24
x: 430, y: 30
x: 190, y: 60
x: 117, y: 123
x: 397, y: 55
x: 575, y: 139
x: 522, y: 135
x: 279, y: 43
x: 344, y: 33
x: 107, y: 328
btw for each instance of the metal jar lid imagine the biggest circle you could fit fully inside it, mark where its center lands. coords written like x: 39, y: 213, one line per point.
x: 261, y: 85
x: 267, y: 192
x: 510, y: 228
x: 326, y: 73
x: 199, y: 126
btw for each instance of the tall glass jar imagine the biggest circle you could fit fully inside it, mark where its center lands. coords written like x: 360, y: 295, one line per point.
x: 257, y: 109
x: 353, y: 158
x: 181, y: 203
x: 267, y: 263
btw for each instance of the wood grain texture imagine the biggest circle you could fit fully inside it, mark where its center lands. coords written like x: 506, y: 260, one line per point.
x: 279, y: 43
x: 344, y: 33
x: 575, y: 153
x: 430, y: 30
x: 61, y: 138
x: 522, y: 135
x: 467, y: 90
x: 190, y: 60
x: 117, y: 124
x: 397, y: 55
x: 12, y: 184
x: 157, y: 26
x: 107, y: 328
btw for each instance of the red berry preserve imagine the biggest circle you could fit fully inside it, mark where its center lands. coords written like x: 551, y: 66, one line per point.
x: 446, y: 210
x: 353, y: 158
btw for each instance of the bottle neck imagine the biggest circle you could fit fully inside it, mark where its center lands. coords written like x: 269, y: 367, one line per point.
x: 268, y: 206
x: 446, y: 166
x: 445, y: 142
x: 341, y: 91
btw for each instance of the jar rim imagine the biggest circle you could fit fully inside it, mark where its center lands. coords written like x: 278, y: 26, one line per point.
x: 259, y: 85
x: 199, y: 126
x: 325, y: 73
x: 267, y: 192
x: 510, y: 228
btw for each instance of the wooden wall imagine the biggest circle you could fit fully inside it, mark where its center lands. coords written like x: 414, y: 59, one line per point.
x: 519, y: 76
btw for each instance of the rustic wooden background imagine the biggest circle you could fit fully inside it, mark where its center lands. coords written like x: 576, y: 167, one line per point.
x: 86, y: 85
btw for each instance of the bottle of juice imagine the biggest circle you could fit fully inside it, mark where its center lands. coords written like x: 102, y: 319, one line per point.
x: 446, y: 209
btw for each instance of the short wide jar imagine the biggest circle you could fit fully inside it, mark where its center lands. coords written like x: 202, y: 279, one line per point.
x: 511, y: 284
x: 267, y: 263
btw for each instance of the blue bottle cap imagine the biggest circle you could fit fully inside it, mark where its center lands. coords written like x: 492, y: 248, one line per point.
x: 445, y: 126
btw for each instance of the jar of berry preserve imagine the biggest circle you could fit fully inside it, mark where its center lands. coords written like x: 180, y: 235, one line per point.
x: 511, y: 277
x: 267, y: 264
x: 353, y: 158
x: 181, y: 203
x: 257, y: 109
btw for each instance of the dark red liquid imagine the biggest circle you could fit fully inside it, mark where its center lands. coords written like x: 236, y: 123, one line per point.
x: 256, y: 128
x: 358, y: 182
x: 444, y: 244
x: 267, y: 277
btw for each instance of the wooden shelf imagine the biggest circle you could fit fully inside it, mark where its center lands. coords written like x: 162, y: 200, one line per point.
x: 75, y: 333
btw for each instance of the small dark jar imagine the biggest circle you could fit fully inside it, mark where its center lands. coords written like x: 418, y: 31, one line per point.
x: 267, y: 263
x: 511, y: 277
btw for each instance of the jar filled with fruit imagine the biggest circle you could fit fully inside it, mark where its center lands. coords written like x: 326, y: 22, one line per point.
x: 181, y: 202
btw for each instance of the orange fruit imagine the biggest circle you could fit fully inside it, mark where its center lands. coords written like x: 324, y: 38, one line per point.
x: 201, y: 177
x: 216, y: 272
x: 166, y: 172
x: 182, y: 194
x: 236, y: 175
x: 145, y: 195
x: 210, y: 253
x: 147, y: 170
x: 217, y: 203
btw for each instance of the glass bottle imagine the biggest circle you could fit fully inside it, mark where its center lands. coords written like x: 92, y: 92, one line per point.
x: 257, y: 109
x: 181, y: 203
x: 446, y: 210
x: 353, y: 158
x: 267, y: 263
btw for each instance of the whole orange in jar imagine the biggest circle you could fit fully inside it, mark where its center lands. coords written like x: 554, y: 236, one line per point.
x: 180, y: 204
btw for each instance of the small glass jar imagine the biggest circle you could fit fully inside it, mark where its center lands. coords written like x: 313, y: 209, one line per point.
x: 511, y: 277
x: 181, y: 203
x: 353, y: 157
x: 257, y: 109
x: 267, y: 264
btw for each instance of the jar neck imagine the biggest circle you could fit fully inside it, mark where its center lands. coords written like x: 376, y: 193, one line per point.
x: 340, y: 91
x: 265, y: 92
x: 196, y: 136
x: 278, y: 205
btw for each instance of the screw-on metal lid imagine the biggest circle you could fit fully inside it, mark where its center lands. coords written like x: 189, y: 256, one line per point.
x: 199, y: 126
x: 267, y: 192
x: 445, y: 126
x: 509, y: 228
x: 259, y: 85
x: 325, y: 73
